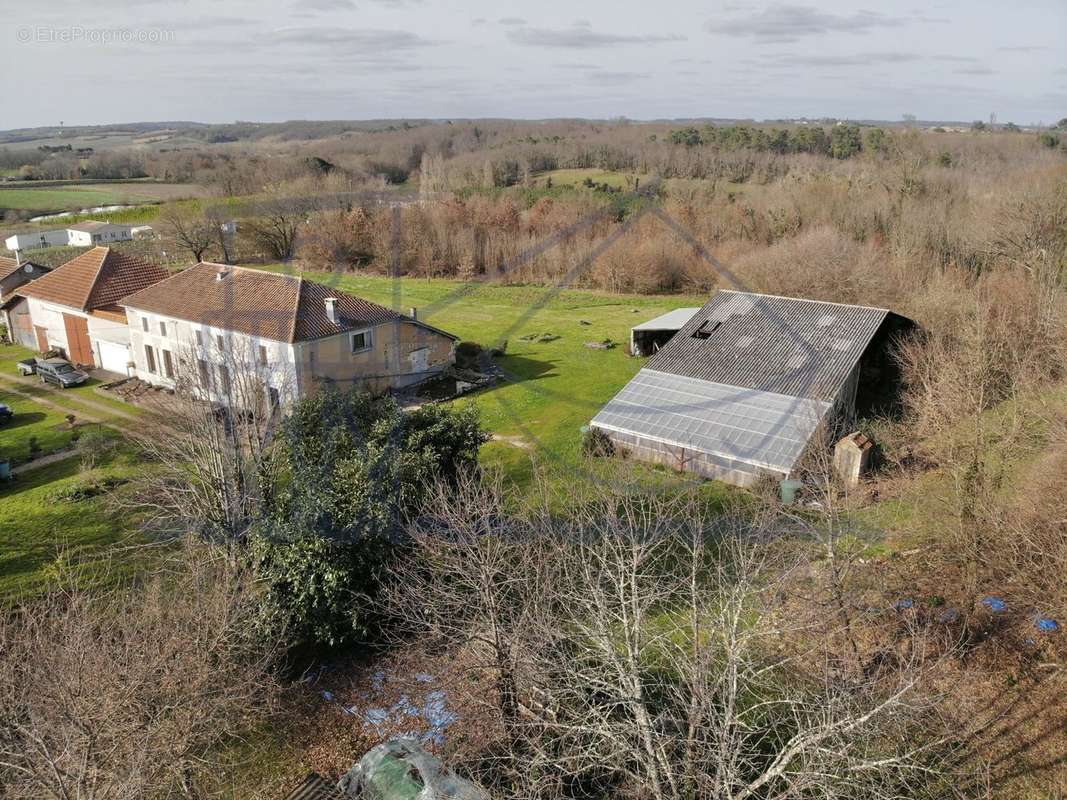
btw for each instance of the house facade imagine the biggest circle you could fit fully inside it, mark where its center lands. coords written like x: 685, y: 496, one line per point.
x: 79, y: 234
x: 87, y: 234
x: 74, y: 308
x: 16, y: 313
x: 227, y: 332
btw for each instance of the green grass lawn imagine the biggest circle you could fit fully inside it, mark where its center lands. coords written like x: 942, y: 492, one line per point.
x: 60, y: 198
x: 74, y: 398
x: 45, y: 538
x: 557, y: 386
x: 32, y: 421
x: 576, y: 177
x: 74, y: 198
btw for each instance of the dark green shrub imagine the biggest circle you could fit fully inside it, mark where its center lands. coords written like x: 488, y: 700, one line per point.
x: 596, y: 443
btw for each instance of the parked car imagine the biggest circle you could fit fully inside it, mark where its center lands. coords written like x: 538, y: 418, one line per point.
x: 5, y: 413
x: 28, y: 366
x: 60, y: 372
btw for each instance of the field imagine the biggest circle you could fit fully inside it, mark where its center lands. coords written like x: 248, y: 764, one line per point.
x: 48, y: 534
x: 553, y: 387
x: 74, y: 197
x: 577, y: 177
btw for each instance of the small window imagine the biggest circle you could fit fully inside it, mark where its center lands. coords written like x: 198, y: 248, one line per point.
x: 263, y: 355
x: 150, y: 358
x: 205, y: 373
x: 224, y: 379
x: 168, y: 364
x: 144, y: 324
x: 706, y: 329
x: 220, y: 341
x: 162, y: 328
x: 199, y: 337
x: 273, y: 397
x: 361, y: 341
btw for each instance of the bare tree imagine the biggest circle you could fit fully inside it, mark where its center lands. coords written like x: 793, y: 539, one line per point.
x: 134, y: 692
x: 211, y: 441
x: 657, y: 651
x: 192, y: 233
x: 274, y: 225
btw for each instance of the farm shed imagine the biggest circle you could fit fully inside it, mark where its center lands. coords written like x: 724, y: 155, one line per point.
x: 747, y: 383
x: 648, y: 337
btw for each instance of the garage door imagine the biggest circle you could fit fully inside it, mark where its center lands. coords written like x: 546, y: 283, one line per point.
x: 113, y: 357
x: 78, y: 348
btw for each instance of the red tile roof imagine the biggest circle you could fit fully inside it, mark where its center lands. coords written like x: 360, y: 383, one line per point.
x: 286, y: 308
x: 98, y: 278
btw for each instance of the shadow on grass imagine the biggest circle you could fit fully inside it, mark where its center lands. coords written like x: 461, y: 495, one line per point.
x: 23, y: 419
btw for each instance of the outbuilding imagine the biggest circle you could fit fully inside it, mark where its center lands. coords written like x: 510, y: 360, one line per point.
x: 648, y: 337
x: 746, y: 385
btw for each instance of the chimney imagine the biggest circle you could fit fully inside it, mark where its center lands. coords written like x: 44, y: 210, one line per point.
x: 331, y: 309
x: 414, y: 313
x: 221, y: 274
x: 18, y: 258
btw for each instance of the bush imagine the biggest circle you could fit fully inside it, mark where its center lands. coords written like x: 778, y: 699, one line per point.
x: 356, y: 467
x: 88, y: 489
x: 94, y: 446
x: 468, y: 355
x: 136, y: 692
x: 596, y: 443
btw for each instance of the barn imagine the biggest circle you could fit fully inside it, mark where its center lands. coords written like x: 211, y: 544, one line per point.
x: 743, y: 388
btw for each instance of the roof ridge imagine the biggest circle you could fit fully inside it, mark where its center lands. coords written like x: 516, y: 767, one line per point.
x: 96, y: 277
x: 803, y: 299
x: 296, y: 308
x: 250, y: 269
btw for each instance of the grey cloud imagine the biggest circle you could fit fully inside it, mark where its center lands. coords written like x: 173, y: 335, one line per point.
x: 361, y: 40
x: 324, y: 5
x: 851, y: 60
x: 582, y: 23
x: 615, y: 78
x: 956, y: 59
x: 478, y: 21
x: 1022, y: 48
x: 577, y: 65
x: 973, y: 71
x: 202, y: 23
x: 578, y: 37
x: 788, y: 22
x: 511, y: 21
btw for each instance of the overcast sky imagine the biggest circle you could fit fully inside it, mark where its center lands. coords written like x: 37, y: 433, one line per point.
x: 266, y: 60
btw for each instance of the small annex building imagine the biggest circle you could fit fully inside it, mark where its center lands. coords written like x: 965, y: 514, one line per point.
x: 742, y: 389
x: 76, y: 308
x: 646, y: 338
x: 14, y: 309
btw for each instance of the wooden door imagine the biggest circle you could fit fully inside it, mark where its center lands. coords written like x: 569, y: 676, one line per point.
x: 42, y: 338
x: 79, y: 350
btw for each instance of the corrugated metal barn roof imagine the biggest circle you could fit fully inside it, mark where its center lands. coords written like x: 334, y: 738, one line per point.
x: 763, y: 429
x: 783, y: 345
x: 315, y: 787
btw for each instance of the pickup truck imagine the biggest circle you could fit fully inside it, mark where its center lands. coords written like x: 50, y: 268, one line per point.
x: 28, y: 366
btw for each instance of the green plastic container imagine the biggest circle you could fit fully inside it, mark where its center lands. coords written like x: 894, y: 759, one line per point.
x: 789, y: 489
